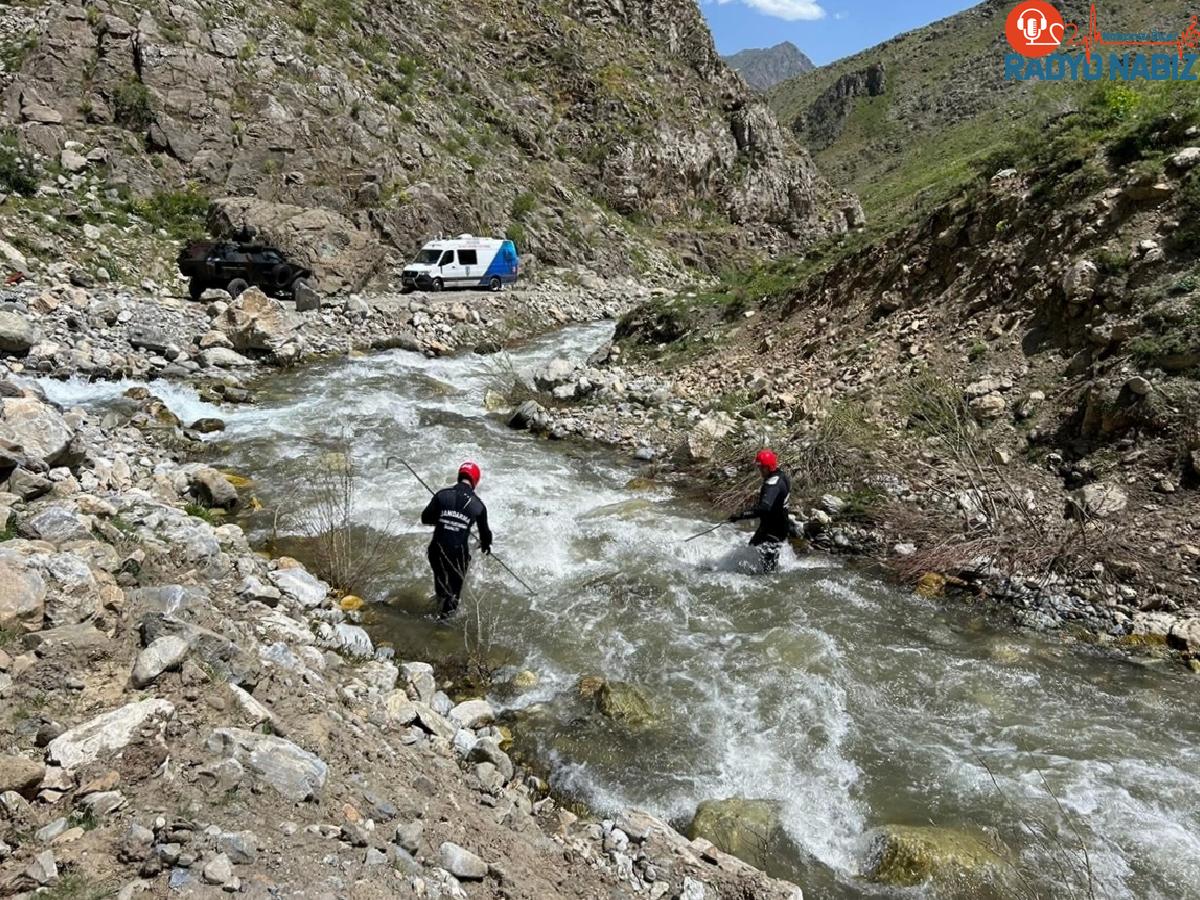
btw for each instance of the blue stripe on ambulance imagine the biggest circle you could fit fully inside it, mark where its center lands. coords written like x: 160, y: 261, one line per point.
x: 504, y: 264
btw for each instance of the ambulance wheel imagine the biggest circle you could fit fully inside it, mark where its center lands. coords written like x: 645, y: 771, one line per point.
x: 438, y: 284
x: 495, y: 284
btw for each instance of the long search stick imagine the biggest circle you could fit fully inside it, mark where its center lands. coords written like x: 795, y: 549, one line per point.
x: 499, y: 561
x: 703, y: 533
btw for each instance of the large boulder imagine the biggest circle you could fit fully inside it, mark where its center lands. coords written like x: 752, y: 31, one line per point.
x: 341, y: 255
x: 292, y: 771
x: 36, y: 427
x: 957, y: 861
x: 17, y: 334
x: 256, y: 322
x: 746, y: 829
x: 212, y: 488
x: 22, y: 595
x: 21, y: 775
x: 105, y: 734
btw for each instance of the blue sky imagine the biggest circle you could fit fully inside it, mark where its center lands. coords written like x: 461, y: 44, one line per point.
x: 824, y: 29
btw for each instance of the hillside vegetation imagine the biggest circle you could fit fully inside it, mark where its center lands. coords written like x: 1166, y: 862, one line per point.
x: 586, y: 130
x: 944, y: 108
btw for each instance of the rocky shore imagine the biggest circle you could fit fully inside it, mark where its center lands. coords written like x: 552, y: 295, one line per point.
x: 184, y: 715
x: 680, y: 421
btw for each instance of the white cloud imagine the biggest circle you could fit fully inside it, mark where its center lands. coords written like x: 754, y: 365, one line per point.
x: 792, y: 10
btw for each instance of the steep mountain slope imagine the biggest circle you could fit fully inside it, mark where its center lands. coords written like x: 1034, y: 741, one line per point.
x: 577, y: 127
x: 1005, y: 392
x: 904, y: 122
x: 766, y: 67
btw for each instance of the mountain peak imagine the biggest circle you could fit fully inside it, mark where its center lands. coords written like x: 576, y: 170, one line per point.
x: 767, y: 67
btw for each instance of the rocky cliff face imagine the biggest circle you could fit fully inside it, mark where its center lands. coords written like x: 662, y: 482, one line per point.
x: 568, y: 127
x: 822, y: 123
x: 763, y: 69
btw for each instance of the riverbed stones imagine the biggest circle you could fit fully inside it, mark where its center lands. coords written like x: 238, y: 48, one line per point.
x: 301, y: 585
x: 223, y: 358
x: 488, y: 750
x: 473, y: 714
x: 105, y: 734
x: 1185, y: 635
x: 743, y: 828
x: 418, y: 678
x: 461, y: 862
x: 290, y: 770
x: 906, y: 856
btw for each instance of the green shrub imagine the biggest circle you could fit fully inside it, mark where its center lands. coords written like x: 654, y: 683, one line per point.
x: 523, y: 204
x: 17, y: 168
x: 132, y: 106
x: 1186, y: 238
x: 1113, y: 262
x: 516, y: 233
x: 180, y: 213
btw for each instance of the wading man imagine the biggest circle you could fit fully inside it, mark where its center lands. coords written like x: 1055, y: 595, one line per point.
x: 452, y: 512
x: 774, y: 526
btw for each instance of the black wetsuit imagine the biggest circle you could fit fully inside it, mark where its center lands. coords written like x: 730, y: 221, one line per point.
x: 452, y: 512
x: 774, y: 526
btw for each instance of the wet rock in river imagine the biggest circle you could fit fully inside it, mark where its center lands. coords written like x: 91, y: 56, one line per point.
x: 624, y: 703
x: 906, y: 856
x: 743, y: 828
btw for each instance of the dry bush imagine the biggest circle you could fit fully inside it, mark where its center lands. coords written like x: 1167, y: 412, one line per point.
x: 505, y: 380
x: 353, y: 558
x: 1064, y: 848
x: 480, y: 623
x: 833, y: 454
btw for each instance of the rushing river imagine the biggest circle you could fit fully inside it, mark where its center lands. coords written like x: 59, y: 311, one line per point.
x: 851, y: 704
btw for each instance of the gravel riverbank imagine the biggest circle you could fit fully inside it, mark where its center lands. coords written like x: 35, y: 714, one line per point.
x: 184, y: 714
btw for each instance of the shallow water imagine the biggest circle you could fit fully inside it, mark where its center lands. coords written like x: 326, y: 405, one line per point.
x: 851, y: 704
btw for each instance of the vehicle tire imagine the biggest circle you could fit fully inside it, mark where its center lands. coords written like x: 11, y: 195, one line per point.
x: 496, y: 285
x: 406, y: 290
x: 237, y: 287
x: 282, y: 277
x: 438, y: 284
x: 196, y: 288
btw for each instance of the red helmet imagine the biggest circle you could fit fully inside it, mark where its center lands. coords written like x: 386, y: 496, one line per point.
x: 768, y: 459
x: 471, y: 471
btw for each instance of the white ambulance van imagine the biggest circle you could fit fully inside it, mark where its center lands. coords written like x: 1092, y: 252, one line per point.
x: 462, y: 262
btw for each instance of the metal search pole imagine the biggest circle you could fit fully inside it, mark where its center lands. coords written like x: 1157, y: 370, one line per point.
x: 703, y: 533
x: 493, y: 556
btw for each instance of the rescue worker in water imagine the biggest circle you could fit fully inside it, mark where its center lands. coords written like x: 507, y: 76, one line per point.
x: 452, y: 512
x: 774, y: 525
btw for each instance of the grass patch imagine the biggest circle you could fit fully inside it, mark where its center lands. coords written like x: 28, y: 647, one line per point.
x: 180, y: 213
x: 197, y: 511
x: 75, y: 886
